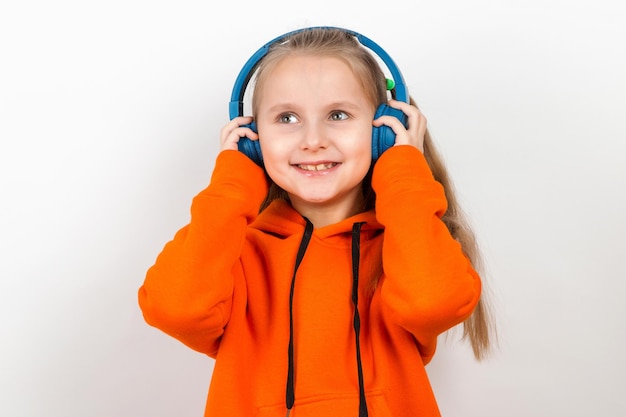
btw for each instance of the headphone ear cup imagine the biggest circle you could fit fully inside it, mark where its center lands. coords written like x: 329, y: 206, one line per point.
x: 383, y: 137
x: 251, y: 148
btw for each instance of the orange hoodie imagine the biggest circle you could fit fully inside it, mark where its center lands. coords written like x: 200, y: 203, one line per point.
x: 223, y: 286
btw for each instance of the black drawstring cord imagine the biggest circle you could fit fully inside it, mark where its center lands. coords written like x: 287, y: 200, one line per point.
x: 356, y: 253
x: 306, y: 237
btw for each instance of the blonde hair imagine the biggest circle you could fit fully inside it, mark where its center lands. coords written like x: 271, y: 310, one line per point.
x: 478, y: 328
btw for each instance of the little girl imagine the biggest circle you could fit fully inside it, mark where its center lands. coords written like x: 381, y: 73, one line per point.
x: 318, y: 279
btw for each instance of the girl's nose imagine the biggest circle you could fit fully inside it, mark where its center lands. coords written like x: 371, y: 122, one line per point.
x: 314, y: 137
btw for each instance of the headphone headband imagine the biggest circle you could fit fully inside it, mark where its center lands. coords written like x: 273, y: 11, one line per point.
x: 235, y: 107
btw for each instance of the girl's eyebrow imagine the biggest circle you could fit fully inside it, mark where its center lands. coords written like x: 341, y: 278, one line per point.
x: 343, y: 105
x: 282, y: 107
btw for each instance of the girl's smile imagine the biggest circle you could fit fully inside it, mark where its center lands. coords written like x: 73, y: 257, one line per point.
x: 318, y: 168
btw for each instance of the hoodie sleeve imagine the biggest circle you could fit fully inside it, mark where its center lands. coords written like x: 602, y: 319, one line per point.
x: 429, y: 285
x: 188, y: 292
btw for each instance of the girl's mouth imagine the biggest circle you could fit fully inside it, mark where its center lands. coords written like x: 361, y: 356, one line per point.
x: 317, y: 167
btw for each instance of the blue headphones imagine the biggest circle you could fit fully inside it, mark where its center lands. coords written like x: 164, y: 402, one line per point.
x: 383, y: 137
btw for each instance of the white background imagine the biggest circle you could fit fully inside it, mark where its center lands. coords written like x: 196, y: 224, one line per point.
x: 109, y: 121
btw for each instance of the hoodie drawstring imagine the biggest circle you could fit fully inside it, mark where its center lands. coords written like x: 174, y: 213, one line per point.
x: 291, y: 396
x: 356, y: 255
x: 356, y: 252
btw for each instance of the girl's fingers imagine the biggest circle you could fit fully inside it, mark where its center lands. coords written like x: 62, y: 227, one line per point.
x: 414, y: 133
x: 234, y: 130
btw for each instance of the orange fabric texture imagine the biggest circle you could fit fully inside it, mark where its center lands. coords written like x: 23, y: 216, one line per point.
x: 221, y: 286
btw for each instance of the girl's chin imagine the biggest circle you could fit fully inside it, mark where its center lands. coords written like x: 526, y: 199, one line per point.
x: 323, y: 201
x: 315, y: 200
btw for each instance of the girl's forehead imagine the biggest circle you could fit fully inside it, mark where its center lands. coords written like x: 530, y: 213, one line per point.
x: 302, y: 70
x: 312, y: 75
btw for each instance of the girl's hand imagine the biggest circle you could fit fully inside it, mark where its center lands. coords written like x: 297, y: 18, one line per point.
x: 414, y: 134
x: 233, y: 131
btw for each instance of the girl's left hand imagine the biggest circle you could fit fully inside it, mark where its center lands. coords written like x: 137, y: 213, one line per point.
x: 414, y: 134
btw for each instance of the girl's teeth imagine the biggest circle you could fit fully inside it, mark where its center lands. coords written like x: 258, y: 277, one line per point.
x: 318, y: 167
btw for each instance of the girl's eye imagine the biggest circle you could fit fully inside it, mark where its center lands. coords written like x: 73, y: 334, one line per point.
x: 338, y: 115
x: 287, y: 118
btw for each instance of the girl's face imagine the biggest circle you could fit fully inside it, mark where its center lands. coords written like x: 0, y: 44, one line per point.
x: 315, y: 130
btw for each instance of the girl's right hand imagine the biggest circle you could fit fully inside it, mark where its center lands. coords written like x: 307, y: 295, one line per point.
x: 233, y: 131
